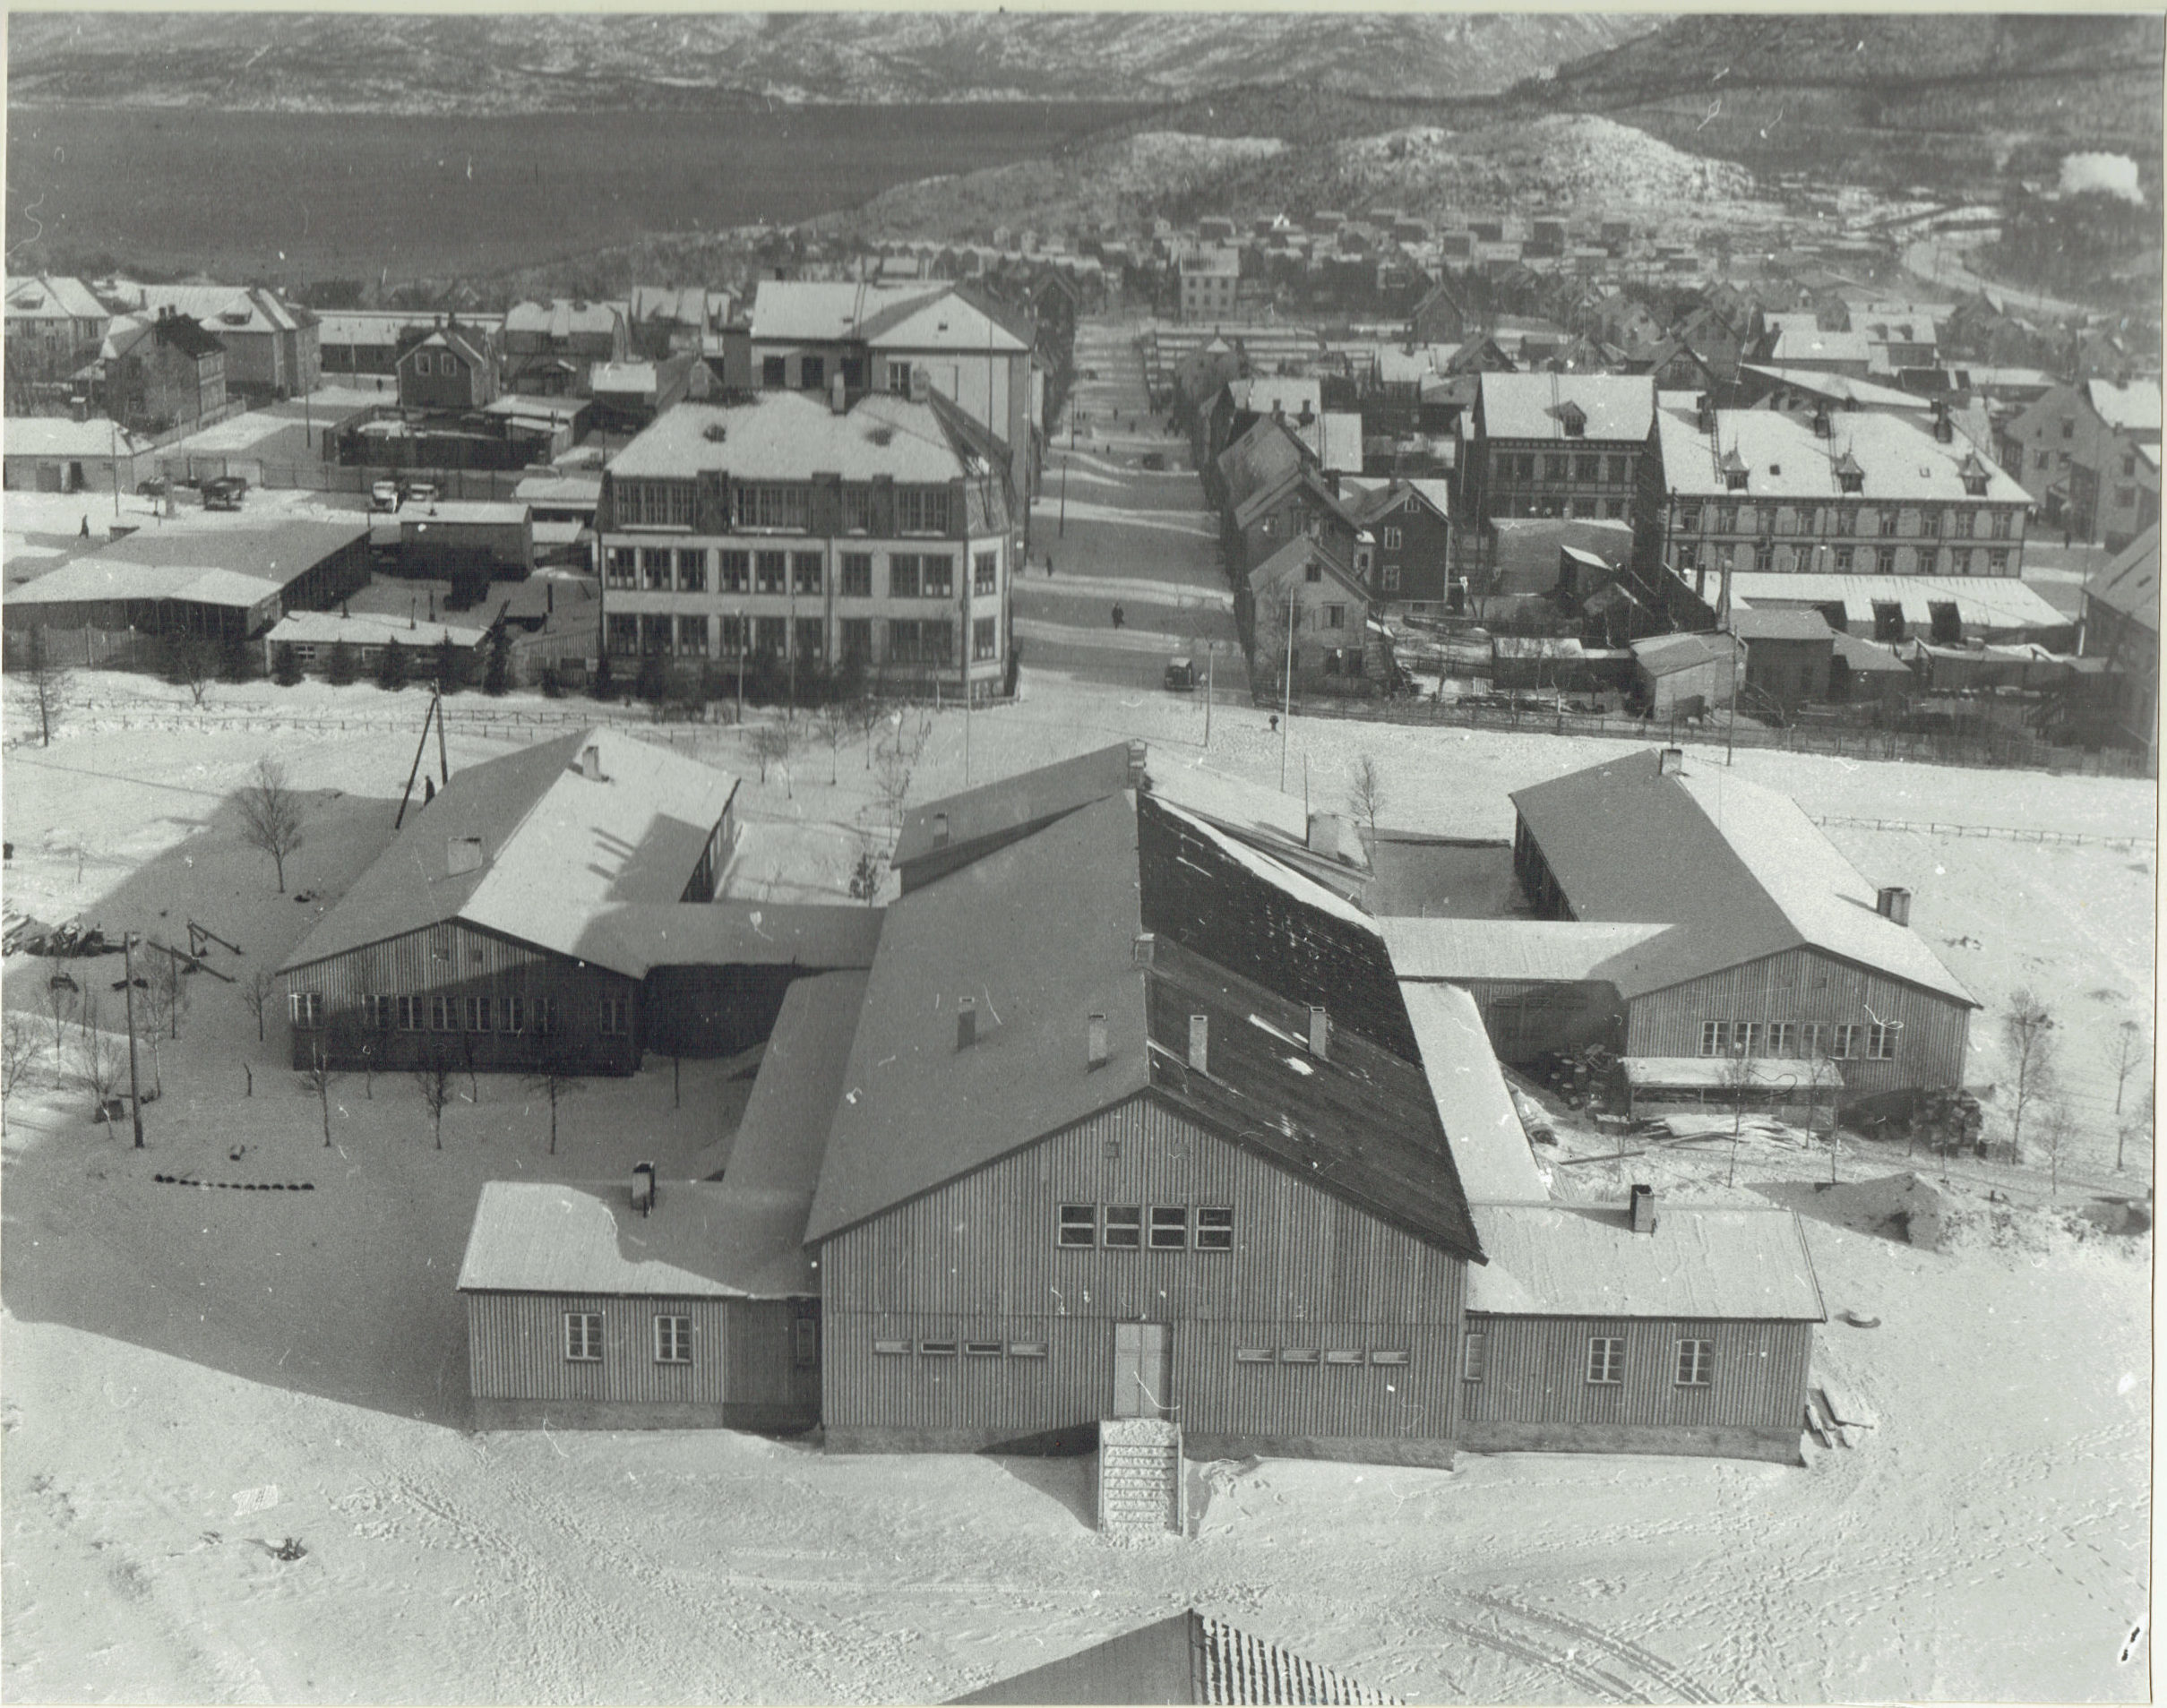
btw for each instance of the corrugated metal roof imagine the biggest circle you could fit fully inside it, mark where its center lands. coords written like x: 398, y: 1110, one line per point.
x: 1778, y: 624
x: 560, y: 851
x: 1700, y: 1264
x: 1993, y: 601
x: 1737, y: 869
x: 699, y: 1243
x: 1537, y: 951
x: 1489, y: 1146
x: 2130, y: 583
x: 1617, y: 406
x: 1011, y: 803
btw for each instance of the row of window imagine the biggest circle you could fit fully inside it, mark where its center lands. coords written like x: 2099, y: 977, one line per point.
x: 1842, y: 560
x: 1955, y: 523
x: 446, y: 364
x: 812, y: 373
x: 1340, y: 1355
x: 1311, y: 1355
x: 912, y: 640
x: 671, y: 1339
x: 1875, y: 1041
x: 911, y: 575
x: 1523, y: 465
x: 964, y: 1348
x: 534, y: 1015
x: 1695, y: 1365
x: 784, y: 507
x: 1127, y: 1227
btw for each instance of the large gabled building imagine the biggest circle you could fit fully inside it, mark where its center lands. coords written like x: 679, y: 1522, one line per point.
x: 1556, y: 444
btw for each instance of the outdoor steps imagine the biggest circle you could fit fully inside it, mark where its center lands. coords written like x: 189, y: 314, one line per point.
x: 1139, y: 1476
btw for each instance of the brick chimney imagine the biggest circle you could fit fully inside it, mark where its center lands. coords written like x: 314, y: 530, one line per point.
x: 643, y: 1187
x: 1641, y: 1209
x: 967, y: 1022
x: 1893, y: 904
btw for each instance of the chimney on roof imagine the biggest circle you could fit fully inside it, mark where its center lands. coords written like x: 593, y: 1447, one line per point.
x: 1705, y: 407
x: 1945, y: 429
x: 839, y: 396
x: 1095, y: 1041
x: 590, y: 764
x: 1320, y: 1033
x: 1641, y: 1211
x: 1893, y: 904
x: 967, y: 1022
x: 550, y: 597
x: 1199, y: 1042
x: 78, y: 408
x: 1308, y: 415
x: 1144, y: 952
x: 1822, y: 427
x: 1137, y: 752
x: 643, y: 1187
x: 939, y: 829
x: 1670, y: 761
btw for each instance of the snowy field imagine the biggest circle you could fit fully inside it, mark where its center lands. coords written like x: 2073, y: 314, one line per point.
x: 194, y: 1376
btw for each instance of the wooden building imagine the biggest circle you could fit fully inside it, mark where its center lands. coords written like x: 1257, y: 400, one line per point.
x: 1773, y: 946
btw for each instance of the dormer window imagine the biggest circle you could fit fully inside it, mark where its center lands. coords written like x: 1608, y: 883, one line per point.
x: 1848, y: 476
x: 1574, y: 420
x: 1974, y: 473
x: 1733, y: 469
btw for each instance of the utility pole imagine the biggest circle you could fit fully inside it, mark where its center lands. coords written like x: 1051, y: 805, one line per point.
x: 1211, y: 659
x: 127, y: 962
x: 1286, y: 690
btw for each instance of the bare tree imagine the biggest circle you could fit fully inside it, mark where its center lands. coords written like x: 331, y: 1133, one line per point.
x: 2027, y: 1029
x: 2129, y: 1049
x: 434, y: 1080
x: 254, y: 993
x: 772, y: 744
x: 1365, y: 795
x: 19, y: 1051
x: 556, y: 1077
x: 273, y: 819
x: 191, y: 662
x: 100, y: 1065
x: 1739, y: 1078
x: 833, y: 725
x: 2058, y: 1130
x: 892, y: 786
x: 316, y: 1079
x: 865, y: 715
x: 2138, y: 1125
x: 45, y: 687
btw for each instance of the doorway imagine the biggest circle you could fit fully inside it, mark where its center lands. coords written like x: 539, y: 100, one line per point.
x: 1143, y: 1370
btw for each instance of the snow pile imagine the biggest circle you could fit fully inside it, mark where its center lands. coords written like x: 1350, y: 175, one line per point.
x: 1896, y: 1207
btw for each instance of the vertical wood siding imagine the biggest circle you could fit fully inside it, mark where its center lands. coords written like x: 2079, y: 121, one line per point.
x: 1527, y: 1018
x: 1537, y: 1373
x: 455, y: 960
x: 1806, y: 987
x: 977, y: 1260
x: 743, y: 1350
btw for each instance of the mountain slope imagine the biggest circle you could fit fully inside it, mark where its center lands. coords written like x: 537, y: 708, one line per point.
x: 558, y: 63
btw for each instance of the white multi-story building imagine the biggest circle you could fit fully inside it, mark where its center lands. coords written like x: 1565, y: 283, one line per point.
x: 816, y: 532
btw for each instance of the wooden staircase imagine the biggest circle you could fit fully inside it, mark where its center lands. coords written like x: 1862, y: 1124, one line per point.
x: 1140, y: 1488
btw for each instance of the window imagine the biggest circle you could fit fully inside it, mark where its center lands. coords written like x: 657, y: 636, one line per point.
x: 1027, y: 1349
x: 913, y: 642
x: 692, y: 636
x: 1885, y: 523
x: 1763, y: 556
x: 855, y: 636
x: 1619, y: 470
x: 778, y: 507
x: 1169, y: 1228
x: 1998, y: 562
x: 2001, y: 525
x: 805, y: 1343
x: 1298, y: 1355
x: 2069, y: 427
x: 478, y: 1014
x: 2045, y: 460
x: 583, y: 1336
x: 1881, y: 1041
x: 673, y: 1340
x: 1313, y: 570
x: 1474, y: 1356
x: 621, y: 566
x: 1843, y: 1041
x: 652, y: 503
x: 1078, y: 1225
x: 1335, y: 616
x: 422, y: 365
x: 898, y: 377
x: 1391, y: 578
x: 441, y: 1011
x: 857, y: 510
x: 1124, y: 1226
x: 891, y: 1348
x: 1842, y: 560
x: 1885, y: 560
x: 806, y: 572
x: 1606, y: 1360
x: 616, y: 1019
x: 769, y: 635
x: 768, y: 571
x: 1726, y: 518
x: 1783, y: 1038
x: 922, y: 510
x: 1696, y: 1363
x: 1746, y: 1037
x: 1960, y: 560
x: 903, y: 575
x: 936, y: 577
x: 1809, y: 1039
x: 936, y: 1349
x: 1588, y: 469
x: 1391, y: 1356
x: 1688, y: 519
x: 986, y: 637
x: 1930, y: 524
x: 812, y: 371
x: 1391, y: 539
x: 515, y: 1014
x: 855, y: 580
x: 305, y: 1008
x: 1253, y: 1355
x: 734, y: 572
x: 1715, y: 1037
x: 655, y: 568
x: 692, y: 570
x: 1214, y: 1228
x: 985, y: 572
x: 981, y: 1349
x: 808, y: 637
x: 1344, y: 1355
x: 378, y: 1011
x: 654, y: 634
x: 545, y: 1015
x: 624, y: 632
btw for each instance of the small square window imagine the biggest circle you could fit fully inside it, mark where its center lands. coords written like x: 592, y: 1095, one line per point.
x: 981, y: 1349
x: 891, y: 1348
x: 1027, y: 1349
x: 936, y: 1349
x: 1079, y: 1225
x: 1298, y: 1355
x: 1253, y: 1355
x: 1169, y: 1228
x: 1124, y: 1226
x: 673, y: 1340
x: 1214, y: 1229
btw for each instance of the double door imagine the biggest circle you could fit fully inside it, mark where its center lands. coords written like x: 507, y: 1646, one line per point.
x: 1143, y: 1370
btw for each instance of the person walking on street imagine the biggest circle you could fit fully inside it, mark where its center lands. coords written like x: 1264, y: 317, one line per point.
x: 1049, y: 563
x: 1117, y: 616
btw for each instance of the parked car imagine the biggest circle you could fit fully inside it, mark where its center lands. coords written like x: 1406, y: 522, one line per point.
x: 384, y: 495
x: 224, y: 493
x: 1181, y: 675
x: 157, y: 486
x: 418, y: 492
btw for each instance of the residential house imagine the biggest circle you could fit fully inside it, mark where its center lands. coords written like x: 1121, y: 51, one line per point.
x: 1845, y: 492
x: 1441, y: 316
x: 155, y: 372
x: 1799, y: 340
x: 365, y: 343
x: 2122, y: 626
x: 1272, y: 491
x: 1410, y: 524
x: 51, y: 320
x: 972, y: 351
x: 451, y: 367
x: 2096, y: 427
x: 629, y: 395
x: 814, y: 532
x: 273, y: 348
x: 550, y: 349
x: 1210, y: 285
x: 1307, y: 604
x: 1548, y: 444
x: 1241, y: 403
x: 313, y: 638
x: 670, y: 321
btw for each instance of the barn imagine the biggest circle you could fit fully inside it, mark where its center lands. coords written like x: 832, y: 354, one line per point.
x: 1772, y: 945
x: 556, y: 906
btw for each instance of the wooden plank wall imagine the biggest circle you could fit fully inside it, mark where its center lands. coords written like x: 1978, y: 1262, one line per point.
x: 743, y: 1350
x: 1527, y: 1017
x: 977, y: 1260
x: 1806, y: 987
x: 454, y: 959
x: 1537, y: 1373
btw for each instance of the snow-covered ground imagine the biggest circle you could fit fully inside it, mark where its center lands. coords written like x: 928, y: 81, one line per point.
x: 191, y: 1375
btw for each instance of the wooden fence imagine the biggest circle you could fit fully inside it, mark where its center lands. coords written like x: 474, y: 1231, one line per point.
x: 2074, y: 838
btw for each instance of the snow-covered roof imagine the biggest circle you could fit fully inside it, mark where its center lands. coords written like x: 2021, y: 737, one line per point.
x: 1700, y: 1264
x: 1785, y: 459
x: 370, y: 629
x: 1537, y: 951
x: 1988, y: 602
x: 563, y: 318
x: 1534, y: 406
x: 465, y: 512
x: 2134, y: 408
x: 586, y: 1237
x: 238, y: 566
x: 1474, y: 1104
x: 1303, y: 890
x: 2130, y: 584
x: 51, y: 296
x: 787, y: 435
x: 58, y: 436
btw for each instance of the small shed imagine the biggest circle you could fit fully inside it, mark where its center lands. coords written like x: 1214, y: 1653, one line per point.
x: 1788, y: 653
x: 1864, y: 671
x: 1684, y: 674
x: 54, y: 454
x: 452, y: 536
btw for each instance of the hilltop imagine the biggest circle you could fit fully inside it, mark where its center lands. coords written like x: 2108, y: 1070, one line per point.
x: 325, y: 61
